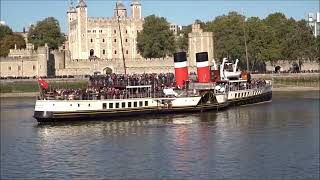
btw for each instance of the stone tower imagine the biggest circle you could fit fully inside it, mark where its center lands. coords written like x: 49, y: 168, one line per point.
x: 136, y: 9
x: 199, y: 41
x: 42, y: 57
x: 120, y: 10
x: 72, y: 17
x: 82, y: 21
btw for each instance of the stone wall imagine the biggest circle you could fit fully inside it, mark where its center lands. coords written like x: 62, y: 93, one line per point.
x: 288, y: 65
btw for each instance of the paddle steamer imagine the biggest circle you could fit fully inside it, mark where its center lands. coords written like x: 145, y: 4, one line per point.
x: 140, y: 99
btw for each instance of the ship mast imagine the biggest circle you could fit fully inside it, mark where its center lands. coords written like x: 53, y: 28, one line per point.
x: 245, y: 41
x: 123, y: 59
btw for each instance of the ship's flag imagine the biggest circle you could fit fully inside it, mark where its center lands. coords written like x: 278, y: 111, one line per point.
x: 44, y: 84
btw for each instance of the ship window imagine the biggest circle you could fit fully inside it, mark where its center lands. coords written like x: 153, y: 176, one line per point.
x: 129, y: 104
x: 110, y: 105
x: 140, y: 103
x: 135, y: 104
x: 146, y: 103
x: 117, y: 105
x: 123, y: 105
x: 104, y: 105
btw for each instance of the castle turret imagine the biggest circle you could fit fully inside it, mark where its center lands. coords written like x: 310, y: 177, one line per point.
x: 136, y: 9
x: 120, y: 10
x: 82, y: 36
x: 43, y: 57
x: 72, y: 21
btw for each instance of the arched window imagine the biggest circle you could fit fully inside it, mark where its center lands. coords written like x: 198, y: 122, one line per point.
x: 127, y: 52
x: 115, y: 52
x: 102, y: 40
x: 91, y: 52
x: 115, y: 40
x: 91, y: 40
x: 103, y: 51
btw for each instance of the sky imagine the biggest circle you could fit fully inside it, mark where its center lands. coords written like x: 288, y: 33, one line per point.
x: 22, y: 13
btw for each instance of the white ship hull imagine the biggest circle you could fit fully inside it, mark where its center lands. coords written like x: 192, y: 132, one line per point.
x: 55, y: 110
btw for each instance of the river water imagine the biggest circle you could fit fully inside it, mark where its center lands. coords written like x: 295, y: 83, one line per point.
x: 277, y: 140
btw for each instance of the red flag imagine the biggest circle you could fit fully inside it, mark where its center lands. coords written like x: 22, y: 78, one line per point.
x: 44, y: 84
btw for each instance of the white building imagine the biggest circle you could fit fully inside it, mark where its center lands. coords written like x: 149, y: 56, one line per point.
x: 314, y: 23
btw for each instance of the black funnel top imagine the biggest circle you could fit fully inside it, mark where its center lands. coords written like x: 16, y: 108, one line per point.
x: 202, y: 56
x: 180, y: 57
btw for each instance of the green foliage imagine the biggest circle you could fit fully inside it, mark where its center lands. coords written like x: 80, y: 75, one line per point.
x: 182, y: 40
x: 271, y: 39
x: 46, y: 31
x: 8, y: 40
x: 5, y: 31
x: 155, y: 40
x: 32, y: 86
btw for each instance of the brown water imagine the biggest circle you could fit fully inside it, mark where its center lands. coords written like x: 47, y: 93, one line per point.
x: 277, y: 140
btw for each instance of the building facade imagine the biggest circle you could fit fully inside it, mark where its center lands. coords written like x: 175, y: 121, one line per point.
x: 101, y: 37
x: 199, y: 41
x: 314, y: 23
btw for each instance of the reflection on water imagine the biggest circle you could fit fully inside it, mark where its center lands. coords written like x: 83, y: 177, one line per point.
x: 272, y: 140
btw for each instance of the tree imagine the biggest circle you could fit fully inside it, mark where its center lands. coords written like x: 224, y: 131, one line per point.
x: 4, y: 31
x: 228, y: 36
x: 183, y: 39
x: 46, y: 31
x: 155, y: 40
x: 8, y: 40
x: 300, y: 42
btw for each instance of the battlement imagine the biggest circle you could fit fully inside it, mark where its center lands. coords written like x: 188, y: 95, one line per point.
x: 107, y: 19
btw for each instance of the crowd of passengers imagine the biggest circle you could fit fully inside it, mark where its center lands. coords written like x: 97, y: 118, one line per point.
x: 255, y: 83
x: 113, y: 86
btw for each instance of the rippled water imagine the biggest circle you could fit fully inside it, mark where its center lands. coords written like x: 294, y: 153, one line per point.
x: 278, y: 140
